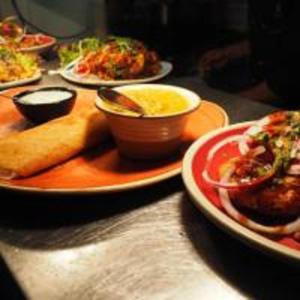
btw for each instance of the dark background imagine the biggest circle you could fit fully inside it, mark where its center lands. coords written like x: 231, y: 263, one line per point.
x: 180, y: 30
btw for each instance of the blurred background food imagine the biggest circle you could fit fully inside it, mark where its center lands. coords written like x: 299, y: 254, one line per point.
x: 15, y: 65
x: 67, y: 53
x: 178, y: 30
x: 111, y: 58
x: 10, y: 29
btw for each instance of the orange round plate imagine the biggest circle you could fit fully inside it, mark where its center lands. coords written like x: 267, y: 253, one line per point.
x: 102, y: 169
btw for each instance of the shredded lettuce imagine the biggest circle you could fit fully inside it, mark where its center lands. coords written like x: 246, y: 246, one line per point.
x: 69, y: 53
x: 27, y: 61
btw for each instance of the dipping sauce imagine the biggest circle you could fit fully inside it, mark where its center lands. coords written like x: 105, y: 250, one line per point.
x: 45, y: 97
x: 155, y: 102
x: 45, y: 103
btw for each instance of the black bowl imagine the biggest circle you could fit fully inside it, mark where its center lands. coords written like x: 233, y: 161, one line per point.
x: 42, y: 112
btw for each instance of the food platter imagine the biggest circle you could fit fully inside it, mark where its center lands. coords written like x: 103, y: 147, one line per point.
x: 69, y: 74
x: 20, y: 82
x: 207, y: 198
x: 103, y: 170
x: 51, y: 41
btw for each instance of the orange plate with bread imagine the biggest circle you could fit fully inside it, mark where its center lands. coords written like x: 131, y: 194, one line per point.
x: 102, y: 169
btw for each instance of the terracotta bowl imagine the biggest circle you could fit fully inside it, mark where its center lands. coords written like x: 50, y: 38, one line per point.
x: 149, y: 137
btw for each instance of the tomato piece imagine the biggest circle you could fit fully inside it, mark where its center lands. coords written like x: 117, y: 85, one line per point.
x: 43, y: 39
x: 7, y: 29
x: 82, y: 68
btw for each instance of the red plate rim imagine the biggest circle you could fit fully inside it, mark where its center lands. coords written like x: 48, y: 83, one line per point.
x: 220, y: 218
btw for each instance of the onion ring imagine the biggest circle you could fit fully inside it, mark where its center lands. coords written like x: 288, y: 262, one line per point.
x: 294, y: 169
x: 230, y: 185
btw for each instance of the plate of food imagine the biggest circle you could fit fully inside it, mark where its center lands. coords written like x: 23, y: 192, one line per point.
x: 75, y: 154
x: 17, y: 68
x: 14, y: 35
x: 245, y: 178
x: 111, y: 62
x: 11, y: 30
x: 36, y: 43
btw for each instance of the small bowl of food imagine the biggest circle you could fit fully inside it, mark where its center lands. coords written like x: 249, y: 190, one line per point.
x: 156, y: 132
x: 43, y: 104
x: 36, y: 43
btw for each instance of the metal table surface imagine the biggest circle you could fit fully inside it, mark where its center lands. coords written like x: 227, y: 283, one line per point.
x: 150, y: 243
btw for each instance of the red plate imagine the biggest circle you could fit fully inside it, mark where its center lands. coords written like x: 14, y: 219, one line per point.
x: 206, y: 197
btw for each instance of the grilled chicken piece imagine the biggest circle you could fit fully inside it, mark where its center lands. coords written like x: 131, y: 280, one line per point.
x: 281, y: 199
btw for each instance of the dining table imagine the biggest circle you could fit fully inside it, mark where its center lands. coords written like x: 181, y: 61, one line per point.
x: 147, y: 243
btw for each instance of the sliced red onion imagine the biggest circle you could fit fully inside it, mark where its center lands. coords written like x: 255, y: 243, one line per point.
x: 219, y: 145
x: 210, y: 156
x: 244, y: 145
x: 258, y: 150
x: 248, y: 137
x: 294, y: 169
x: 216, y: 183
x: 232, y: 185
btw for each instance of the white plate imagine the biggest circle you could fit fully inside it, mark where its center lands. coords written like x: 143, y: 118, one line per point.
x: 93, y: 80
x: 200, y: 196
x: 20, y: 82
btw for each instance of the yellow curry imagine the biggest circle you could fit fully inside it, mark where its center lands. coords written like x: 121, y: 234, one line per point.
x: 156, y: 102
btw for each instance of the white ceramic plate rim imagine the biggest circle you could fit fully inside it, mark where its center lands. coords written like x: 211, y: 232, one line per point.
x: 15, y: 83
x: 220, y: 218
x: 103, y: 189
x: 67, y: 73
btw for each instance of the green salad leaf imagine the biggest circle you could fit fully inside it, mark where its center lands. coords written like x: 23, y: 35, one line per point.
x: 69, y: 53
